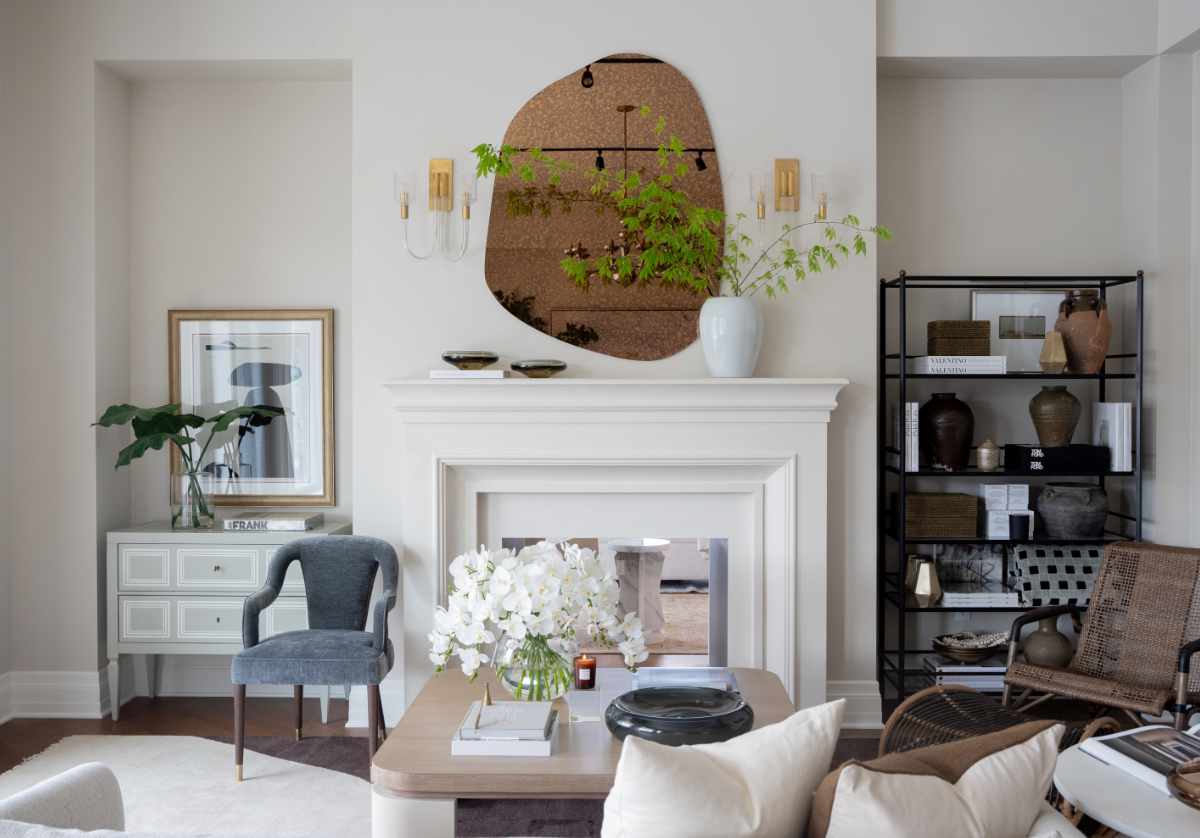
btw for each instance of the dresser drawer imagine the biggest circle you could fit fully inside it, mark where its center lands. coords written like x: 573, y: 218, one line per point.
x: 209, y: 619
x: 142, y: 619
x: 144, y: 567
x: 218, y: 567
x: 284, y: 615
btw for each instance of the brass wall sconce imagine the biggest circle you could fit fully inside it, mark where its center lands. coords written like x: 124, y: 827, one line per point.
x: 787, y: 185
x: 820, y: 194
x: 441, y: 193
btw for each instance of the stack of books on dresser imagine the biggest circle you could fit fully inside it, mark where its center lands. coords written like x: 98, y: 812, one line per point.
x: 507, y: 729
x: 960, y: 365
x: 985, y: 676
x: 274, y: 520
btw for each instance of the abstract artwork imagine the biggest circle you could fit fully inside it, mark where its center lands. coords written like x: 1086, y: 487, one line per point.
x: 280, y: 358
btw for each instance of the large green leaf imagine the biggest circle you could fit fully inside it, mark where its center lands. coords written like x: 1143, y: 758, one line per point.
x: 143, y: 444
x: 166, y: 423
x: 119, y: 414
x: 262, y: 412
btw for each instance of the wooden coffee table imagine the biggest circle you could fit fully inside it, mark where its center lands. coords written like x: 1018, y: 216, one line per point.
x: 415, y: 781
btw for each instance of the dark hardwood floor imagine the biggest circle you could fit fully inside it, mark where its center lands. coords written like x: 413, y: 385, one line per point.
x: 213, y: 718
x: 210, y: 717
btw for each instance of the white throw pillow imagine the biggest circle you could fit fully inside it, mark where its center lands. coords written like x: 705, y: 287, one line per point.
x: 760, y: 783
x: 985, y: 787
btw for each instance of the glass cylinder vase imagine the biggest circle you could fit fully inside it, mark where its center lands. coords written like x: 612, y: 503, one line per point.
x: 191, y: 500
x: 536, y: 672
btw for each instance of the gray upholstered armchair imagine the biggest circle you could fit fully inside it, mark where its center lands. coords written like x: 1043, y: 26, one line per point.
x: 339, y: 573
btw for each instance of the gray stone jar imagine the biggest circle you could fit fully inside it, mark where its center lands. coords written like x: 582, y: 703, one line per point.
x: 1047, y: 646
x: 1072, y: 510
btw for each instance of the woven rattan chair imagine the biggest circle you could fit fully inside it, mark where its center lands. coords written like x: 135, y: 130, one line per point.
x: 1137, y: 639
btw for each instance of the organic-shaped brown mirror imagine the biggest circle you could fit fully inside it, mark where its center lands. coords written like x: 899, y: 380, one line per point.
x: 601, y: 117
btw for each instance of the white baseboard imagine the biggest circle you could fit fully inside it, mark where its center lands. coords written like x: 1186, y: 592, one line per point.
x: 863, y: 707
x: 55, y: 695
x: 5, y: 697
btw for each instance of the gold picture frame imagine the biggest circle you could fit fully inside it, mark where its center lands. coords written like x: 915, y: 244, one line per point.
x: 310, y: 492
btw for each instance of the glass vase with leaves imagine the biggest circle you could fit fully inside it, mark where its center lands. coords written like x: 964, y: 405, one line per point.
x: 191, y: 481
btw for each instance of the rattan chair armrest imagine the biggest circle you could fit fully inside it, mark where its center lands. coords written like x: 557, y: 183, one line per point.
x: 1035, y: 614
x: 1185, y: 656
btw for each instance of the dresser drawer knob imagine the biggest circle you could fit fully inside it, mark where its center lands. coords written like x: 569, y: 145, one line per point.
x: 216, y: 568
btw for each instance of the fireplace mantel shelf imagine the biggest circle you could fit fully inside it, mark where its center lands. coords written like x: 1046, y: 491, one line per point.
x: 591, y: 395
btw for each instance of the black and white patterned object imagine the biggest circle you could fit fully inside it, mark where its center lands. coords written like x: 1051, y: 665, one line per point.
x: 1054, y: 575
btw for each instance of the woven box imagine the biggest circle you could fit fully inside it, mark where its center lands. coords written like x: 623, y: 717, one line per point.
x: 958, y: 337
x: 941, y: 515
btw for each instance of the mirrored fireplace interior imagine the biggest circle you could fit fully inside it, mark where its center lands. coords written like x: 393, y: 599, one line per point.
x: 683, y: 597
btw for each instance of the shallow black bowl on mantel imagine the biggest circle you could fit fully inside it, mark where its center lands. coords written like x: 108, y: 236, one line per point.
x: 679, y: 715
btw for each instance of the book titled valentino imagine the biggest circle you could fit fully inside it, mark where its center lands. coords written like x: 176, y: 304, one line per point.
x: 274, y: 521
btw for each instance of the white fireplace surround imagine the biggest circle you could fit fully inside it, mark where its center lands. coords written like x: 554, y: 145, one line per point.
x: 745, y: 458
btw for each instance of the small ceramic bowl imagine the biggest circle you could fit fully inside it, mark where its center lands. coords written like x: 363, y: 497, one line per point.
x: 539, y: 368
x: 1184, y: 783
x: 470, y: 359
x: 970, y: 647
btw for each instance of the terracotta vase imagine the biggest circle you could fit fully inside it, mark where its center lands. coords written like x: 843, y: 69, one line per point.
x: 1086, y: 330
x: 1055, y: 413
x: 946, y: 427
x: 1047, y: 646
x: 1071, y: 511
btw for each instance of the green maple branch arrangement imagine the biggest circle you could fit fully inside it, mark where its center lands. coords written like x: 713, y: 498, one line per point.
x: 666, y: 238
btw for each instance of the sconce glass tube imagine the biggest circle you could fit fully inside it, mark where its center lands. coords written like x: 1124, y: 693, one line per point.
x: 441, y: 192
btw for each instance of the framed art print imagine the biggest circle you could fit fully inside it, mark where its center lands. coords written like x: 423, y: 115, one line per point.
x: 1020, y: 321
x: 221, y: 359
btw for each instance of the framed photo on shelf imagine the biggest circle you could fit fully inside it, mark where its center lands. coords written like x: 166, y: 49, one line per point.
x: 223, y: 358
x: 1020, y: 321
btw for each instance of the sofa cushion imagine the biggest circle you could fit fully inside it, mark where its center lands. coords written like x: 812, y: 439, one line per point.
x: 989, y: 786
x: 313, y: 656
x: 760, y: 783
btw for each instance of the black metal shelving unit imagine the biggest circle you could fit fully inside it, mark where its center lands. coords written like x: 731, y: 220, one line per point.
x: 899, y: 663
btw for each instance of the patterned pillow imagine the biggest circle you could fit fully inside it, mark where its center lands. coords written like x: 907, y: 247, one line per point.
x: 1054, y: 575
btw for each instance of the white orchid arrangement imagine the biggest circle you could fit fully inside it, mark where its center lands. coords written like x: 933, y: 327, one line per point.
x: 539, y: 602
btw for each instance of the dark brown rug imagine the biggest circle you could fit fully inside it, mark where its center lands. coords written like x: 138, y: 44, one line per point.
x: 484, y: 818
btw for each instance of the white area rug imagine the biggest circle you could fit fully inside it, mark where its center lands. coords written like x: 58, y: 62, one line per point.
x: 184, y: 784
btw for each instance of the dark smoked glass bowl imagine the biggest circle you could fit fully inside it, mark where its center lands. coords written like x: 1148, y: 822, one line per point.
x: 679, y: 715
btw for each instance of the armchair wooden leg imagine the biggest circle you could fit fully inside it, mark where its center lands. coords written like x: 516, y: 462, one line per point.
x: 239, y: 728
x: 372, y: 718
x: 298, y: 701
x: 382, y: 722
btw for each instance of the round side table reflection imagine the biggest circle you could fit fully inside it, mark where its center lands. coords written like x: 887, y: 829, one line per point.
x: 639, y: 573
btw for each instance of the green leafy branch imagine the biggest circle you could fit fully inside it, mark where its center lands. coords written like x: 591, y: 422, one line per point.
x: 780, y: 263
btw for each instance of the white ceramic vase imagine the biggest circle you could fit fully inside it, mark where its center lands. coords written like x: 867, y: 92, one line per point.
x: 731, y: 330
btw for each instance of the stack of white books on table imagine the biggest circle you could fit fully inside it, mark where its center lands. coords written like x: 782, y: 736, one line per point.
x: 274, y: 520
x: 456, y: 375
x: 978, y: 595
x: 507, y: 729
x: 1112, y: 427
x: 906, y: 430
x: 977, y: 676
x: 1149, y: 753
x: 960, y: 365
x: 716, y: 677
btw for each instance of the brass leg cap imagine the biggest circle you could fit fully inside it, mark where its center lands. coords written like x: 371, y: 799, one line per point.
x: 237, y: 772
x: 297, y: 734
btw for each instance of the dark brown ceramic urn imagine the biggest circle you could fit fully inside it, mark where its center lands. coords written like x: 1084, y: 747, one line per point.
x: 947, y: 427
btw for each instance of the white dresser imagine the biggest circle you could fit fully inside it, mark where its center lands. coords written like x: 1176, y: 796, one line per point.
x: 180, y: 592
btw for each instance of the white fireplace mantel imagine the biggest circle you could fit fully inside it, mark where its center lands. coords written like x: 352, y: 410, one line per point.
x: 622, y: 457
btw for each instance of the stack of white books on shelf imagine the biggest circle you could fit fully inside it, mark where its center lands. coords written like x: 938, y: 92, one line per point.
x: 1112, y: 427
x: 455, y: 375
x: 507, y: 729
x: 988, y: 675
x: 978, y: 595
x: 906, y: 428
x: 960, y: 365
x: 274, y: 520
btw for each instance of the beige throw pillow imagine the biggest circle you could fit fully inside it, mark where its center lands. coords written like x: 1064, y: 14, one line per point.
x: 760, y: 783
x: 988, y: 786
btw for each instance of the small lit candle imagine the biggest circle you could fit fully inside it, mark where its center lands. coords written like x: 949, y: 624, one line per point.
x: 585, y: 672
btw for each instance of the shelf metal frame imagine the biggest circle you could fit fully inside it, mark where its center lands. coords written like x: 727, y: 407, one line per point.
x: 893, y: 376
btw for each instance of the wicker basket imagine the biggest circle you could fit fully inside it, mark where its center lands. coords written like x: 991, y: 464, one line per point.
x: 941, y: 515
x: 958, y: 337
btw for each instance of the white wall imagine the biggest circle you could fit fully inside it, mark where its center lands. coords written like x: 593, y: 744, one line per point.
x: 407, y: 312
x: 240, y: 198
x: 9, y: 97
